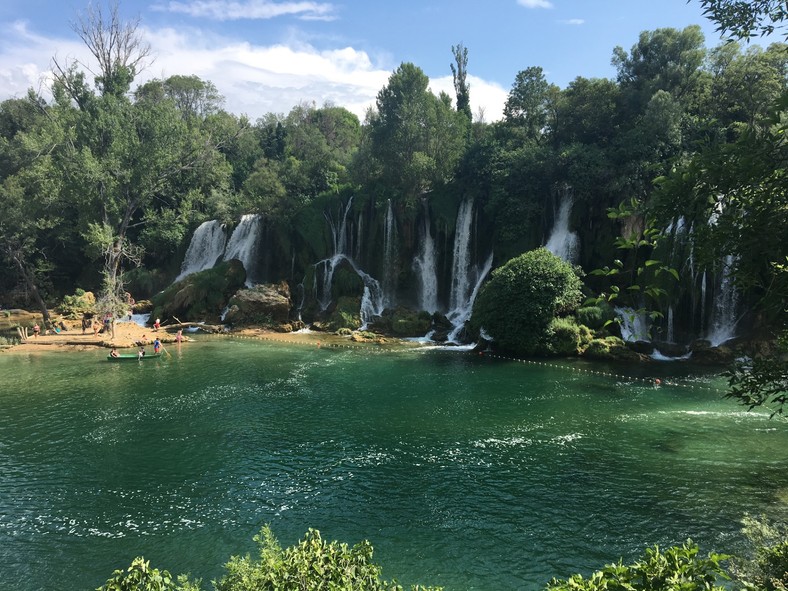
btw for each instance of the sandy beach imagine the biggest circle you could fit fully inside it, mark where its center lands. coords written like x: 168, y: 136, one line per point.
x: 130, y: 335
x: 127, y: 335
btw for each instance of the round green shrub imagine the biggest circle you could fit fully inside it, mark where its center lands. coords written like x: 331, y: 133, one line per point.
x: 515, y: 307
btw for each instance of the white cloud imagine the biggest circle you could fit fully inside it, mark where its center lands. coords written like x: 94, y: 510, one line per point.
x: 25, y: 59
x: 573, y: 21
x: 224, y: 10
x: 535, y: 3
x: 254, y: 79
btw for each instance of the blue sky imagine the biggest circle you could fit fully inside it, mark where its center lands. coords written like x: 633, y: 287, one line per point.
x: 267, y: 56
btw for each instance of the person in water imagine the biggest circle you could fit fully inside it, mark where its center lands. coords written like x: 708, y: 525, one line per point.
x: 141, y: 352
x: 156, y: 346
x: 114, y: 352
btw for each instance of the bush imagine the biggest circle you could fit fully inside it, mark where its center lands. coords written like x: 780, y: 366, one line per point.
x: 679, y: 568
x: 141, y: 577
x: 311, y: 564
x: 595, y: 317
x: 74, y: 306
x: 566, y: 337
x: 766, y: 569
x: 521, y: 299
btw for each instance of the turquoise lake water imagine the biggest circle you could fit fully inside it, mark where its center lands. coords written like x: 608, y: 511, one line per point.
x: 461, y: 470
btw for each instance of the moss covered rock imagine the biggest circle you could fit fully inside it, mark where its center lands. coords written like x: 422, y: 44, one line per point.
x: 261, y: 305
x: 345, y: 314
x: 403, y: 322
x: 612, y: 349
x: 200, y: 297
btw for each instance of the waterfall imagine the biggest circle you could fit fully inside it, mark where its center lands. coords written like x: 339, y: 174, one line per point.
x: 466, y: 279
x: 670, y: 336
x: 425, y: 267
x: 324, y: 276
x: 459, y: 316
x: 340, y: 244
x: 703, y: 301
x: 372, y: 301
x: 723, y: 316
x: 339, y: 233
x: 458, y: 296
x: 634, y: 326
x: 562, y: 242
x: 389, y: 256
x: 243, y: 245
x: 206, y: 247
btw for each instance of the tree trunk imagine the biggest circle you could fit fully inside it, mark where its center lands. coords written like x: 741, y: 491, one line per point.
x: 30, y: 280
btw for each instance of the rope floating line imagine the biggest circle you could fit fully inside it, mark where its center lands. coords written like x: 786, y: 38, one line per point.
x: 366, y: 347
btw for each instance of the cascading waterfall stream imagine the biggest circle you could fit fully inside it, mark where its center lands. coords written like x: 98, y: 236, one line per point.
x: 324, y: 270
x: 458, y: 296
x: 670, y: 337
x: 243, y: 245
x: 723, y: 318
x: 372, y: 300
x: 634, y: 325
x: 390, y: 253
x: 425, y: 267
x: 460, y: 316
x: 466, y: 278
x: 562, y: 242
x: 205, y: 249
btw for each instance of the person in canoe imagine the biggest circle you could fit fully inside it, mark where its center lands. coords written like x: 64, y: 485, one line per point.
x: 114, y: 353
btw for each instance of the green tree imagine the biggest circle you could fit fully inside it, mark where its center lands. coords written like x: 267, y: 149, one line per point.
x: 665, y: 59
x: 415, y: 138
x: 516, y: 306
x: 743, y: 20
x: 526, y: 107
x: 746, y: 85
x: 459, y: 73
x: 29, y: 190
x: 135, y: 167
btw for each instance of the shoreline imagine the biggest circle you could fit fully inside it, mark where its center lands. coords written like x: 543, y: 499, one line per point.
x: 128, y: 335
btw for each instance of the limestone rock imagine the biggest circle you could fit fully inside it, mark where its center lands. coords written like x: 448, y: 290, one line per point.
x: 267, y: 304
x: 202, y: 296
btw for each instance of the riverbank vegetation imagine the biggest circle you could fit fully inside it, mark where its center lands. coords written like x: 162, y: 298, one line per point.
x: 314, y: 563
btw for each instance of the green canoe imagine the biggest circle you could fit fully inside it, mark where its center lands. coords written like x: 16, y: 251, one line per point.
x: 133, y: 357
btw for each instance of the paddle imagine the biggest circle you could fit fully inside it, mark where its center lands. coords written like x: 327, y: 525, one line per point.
x: 167, y: 352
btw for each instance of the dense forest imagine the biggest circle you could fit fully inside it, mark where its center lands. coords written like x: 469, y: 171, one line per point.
x: 664, y: 187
